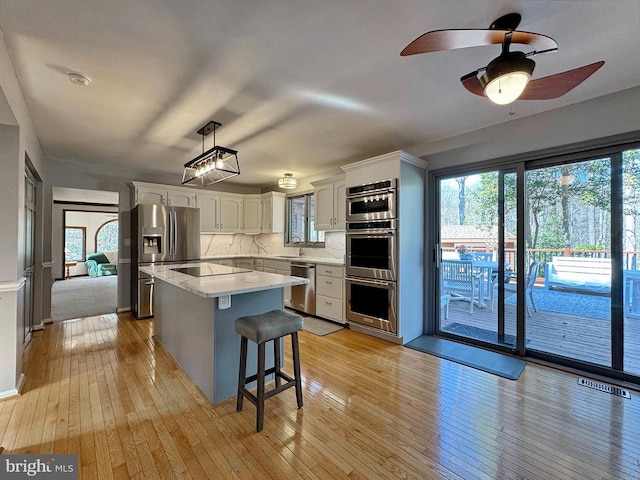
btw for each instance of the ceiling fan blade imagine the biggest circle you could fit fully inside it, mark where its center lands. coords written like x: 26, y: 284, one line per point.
x: 471, y: 83
x: 439, y: 40
x: 555, y: 86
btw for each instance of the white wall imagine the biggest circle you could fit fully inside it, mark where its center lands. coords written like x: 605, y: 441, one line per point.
x: 601, y: 117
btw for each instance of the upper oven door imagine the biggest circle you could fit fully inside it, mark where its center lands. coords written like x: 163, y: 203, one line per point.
x: 367, y: 206
x: 371, y: 255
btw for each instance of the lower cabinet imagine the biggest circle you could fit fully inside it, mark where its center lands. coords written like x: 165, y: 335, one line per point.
x: 246, y: 263
x: 330, y: 292
x: 229, y: 262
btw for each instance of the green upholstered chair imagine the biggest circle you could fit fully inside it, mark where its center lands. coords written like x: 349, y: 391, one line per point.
x: 98, y: 265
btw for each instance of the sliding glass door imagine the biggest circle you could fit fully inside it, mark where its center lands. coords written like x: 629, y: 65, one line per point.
x: 569, y: 243
x: 477, y: 257
x: 541, y: 258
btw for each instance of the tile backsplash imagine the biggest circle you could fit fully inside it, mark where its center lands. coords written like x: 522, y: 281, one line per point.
x: 212, y: 245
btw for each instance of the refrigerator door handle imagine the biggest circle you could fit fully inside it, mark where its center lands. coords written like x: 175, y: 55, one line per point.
x: 172, y: 233
x: 175, y: 234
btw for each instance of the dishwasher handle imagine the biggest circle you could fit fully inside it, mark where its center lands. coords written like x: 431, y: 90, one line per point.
x: 303, y: 265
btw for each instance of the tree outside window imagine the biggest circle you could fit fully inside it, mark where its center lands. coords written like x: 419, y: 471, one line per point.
x: 75, y: 244
x: 107, y: 237
x: 301, y: 222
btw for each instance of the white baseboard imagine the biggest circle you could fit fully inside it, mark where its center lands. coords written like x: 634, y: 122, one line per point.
x: 13, y: 391
x: 123, y: 309
x: 40, y: 326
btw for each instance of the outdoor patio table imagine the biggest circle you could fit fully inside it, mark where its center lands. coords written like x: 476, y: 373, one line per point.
x: 485, y: 267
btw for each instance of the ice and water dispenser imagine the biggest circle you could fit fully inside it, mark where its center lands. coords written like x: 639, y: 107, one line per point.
x: 151, y: 244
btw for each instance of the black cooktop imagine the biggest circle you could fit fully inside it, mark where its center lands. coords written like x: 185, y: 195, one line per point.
x: 210, y: 270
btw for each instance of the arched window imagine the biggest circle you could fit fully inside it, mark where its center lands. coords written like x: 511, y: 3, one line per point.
x: 107, y: 237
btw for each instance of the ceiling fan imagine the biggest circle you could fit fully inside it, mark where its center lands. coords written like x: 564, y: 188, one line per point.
x: 507, y: 77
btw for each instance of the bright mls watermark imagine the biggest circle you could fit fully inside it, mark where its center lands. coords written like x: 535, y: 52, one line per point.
x: 51, y: 467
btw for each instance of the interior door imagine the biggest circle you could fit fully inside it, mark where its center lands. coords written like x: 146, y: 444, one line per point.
x: 29, y: 253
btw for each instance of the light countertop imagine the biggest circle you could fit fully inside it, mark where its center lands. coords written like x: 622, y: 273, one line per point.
x: 224, y: 281
x: 288, y: 258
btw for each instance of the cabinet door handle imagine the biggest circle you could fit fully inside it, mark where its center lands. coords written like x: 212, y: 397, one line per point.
x: 328, y: 303
x: 329, y: 271
x: 330, y: 283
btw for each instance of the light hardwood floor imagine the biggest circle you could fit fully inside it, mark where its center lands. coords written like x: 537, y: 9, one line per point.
x: 103, y: 388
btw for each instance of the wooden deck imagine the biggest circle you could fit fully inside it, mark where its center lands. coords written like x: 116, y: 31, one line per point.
x: 578, y: 337
x: 103, y: 388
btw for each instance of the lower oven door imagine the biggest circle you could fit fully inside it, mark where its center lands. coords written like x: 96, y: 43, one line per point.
x: 372, y: 303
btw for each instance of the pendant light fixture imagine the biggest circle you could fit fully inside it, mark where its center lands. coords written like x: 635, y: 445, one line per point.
x: 288, y: 182
x: 214, y: 165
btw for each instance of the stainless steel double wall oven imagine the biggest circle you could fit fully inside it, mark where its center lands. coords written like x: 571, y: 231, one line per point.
x: 371, y: 255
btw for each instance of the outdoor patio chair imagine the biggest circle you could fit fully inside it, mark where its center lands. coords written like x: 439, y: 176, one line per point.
x: 511, y: 289
x: 484, y: 257
x: 460, y: 282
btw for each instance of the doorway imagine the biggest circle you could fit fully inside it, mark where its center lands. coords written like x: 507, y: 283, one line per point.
x: 85, y: 244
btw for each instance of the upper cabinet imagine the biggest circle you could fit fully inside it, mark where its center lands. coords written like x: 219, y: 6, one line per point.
x: 273, y: 206
x: 252, y: 218
x: 149, y: 193
x: 163, y: 194
x: 209, y: 205
x: 219, y: 212
x: 330, y: 204
x: 231, y: 213
x: 181, y: 197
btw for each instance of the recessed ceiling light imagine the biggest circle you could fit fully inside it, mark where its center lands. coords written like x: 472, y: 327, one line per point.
x: 78, y: 79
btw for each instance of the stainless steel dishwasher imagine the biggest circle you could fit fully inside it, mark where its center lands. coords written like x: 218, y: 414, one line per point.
x: 303, y: 297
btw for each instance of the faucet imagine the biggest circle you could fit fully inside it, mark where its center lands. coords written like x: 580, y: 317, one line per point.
x: 300, y: 242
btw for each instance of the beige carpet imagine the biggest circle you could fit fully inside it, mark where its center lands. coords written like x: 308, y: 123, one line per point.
x: 84, y: 297
x: 320, y: 327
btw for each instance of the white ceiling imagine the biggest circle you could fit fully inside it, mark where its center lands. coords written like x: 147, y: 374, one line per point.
x: 299, y: 87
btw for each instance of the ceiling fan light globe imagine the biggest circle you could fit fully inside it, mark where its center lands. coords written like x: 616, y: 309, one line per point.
x: 507, y: 88
x: 506, y: 77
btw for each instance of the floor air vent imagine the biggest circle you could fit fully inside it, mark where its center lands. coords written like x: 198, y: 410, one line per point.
x: 620, y: 392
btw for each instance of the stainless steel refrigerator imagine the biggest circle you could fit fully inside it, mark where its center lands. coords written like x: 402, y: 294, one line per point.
x: 160, y: 235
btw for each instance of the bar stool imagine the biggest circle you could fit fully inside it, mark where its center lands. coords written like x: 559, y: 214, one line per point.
x: 260, y: 329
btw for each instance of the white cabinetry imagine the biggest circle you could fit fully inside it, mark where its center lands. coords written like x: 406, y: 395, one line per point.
x: 149, y: 193
x: 247, y: 263
x: 330, y: 204
x: 231, y: 213
x: 181, y: 197
x: 209, y: 205
x: 272, y: 212
x: 220, y: 212
x: 252, y: 217
x: 228, y: 262
x: 330, y: 292
x: 163, y: 194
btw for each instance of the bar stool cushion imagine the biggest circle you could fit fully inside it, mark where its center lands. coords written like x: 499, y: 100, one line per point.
x: 267, y: 326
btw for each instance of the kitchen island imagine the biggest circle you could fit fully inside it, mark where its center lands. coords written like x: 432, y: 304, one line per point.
x: 195, y: 306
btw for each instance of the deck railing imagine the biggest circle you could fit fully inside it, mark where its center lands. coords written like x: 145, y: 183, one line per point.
x: 630, y: 259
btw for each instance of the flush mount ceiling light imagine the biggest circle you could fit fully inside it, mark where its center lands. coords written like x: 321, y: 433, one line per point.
x: 288, y: 182
x: 78, y: 79
x: 214, y: 165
